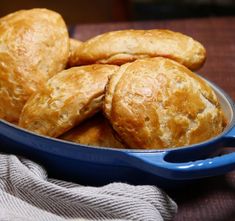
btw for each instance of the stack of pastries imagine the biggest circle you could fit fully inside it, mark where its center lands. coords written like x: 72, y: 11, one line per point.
x: 122, y: 89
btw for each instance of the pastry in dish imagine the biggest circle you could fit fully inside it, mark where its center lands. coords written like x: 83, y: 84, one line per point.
x: 95, y: 131
x: 66, y: 99
x: 159, y: 103
x: 34, y: 45
x: 119, y: 47
x: 73, y: 48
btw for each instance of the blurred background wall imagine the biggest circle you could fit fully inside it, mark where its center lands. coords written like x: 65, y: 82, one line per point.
x: 96, y: 11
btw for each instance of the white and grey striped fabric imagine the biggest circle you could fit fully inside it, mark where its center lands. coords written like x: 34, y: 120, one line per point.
x: 27, y: 194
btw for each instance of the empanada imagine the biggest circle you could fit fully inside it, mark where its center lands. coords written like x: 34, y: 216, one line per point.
x: 159, y: 103
x: 73, y: 48
x: 119, y: 47
x: 95, y: 131
x: 34, y: 45
x: 66, y: 99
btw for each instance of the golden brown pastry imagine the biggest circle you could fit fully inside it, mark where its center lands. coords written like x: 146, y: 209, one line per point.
x: 66, y: 99
x: 159, y: 103
x: 119, y: 47
x: 95, y: 131
x: 73, y: 47
x: 34, y: 45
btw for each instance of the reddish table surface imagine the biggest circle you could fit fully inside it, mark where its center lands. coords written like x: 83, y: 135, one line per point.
x: 211, y: 199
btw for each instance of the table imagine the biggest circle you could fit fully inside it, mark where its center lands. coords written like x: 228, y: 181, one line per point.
x: 211, y: 199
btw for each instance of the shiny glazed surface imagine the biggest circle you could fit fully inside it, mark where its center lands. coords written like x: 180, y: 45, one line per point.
x: 29, y: 39
x: 66, y: 99
x: 119, y: 47
x: 158, y: 103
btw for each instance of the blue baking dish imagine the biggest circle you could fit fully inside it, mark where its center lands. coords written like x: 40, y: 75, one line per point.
x: 98, y: 166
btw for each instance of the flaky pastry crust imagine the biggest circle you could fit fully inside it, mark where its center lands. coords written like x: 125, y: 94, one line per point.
x: 158, y: 103
x: 74, y: 46
x: 119, y: 47
x: 95, y: 131
x: 34, y: 45
x: 66, y: 99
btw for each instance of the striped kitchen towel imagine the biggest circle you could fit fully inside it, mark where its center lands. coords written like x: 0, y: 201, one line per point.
x: 26, y: 193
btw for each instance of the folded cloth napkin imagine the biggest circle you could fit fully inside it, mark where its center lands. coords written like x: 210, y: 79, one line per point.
x: 27, y: 194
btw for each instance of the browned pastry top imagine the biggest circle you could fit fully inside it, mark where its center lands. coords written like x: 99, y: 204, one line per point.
x: 95, y: 131
x: 119, y: 47
x: 34, y: 45
x: 73, y: 49
x: 159, y: 103
x: 67, y: 98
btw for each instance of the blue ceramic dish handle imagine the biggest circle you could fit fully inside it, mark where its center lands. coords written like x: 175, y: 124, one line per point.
x: 154, y: 162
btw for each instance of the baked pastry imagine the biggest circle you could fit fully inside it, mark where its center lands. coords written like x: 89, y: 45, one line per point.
x: 34, y: 46
x: 158, y: 103
x: 95, y: 131
x: 119, y: 47
x: 66, y: 99
x: 73, y: 47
